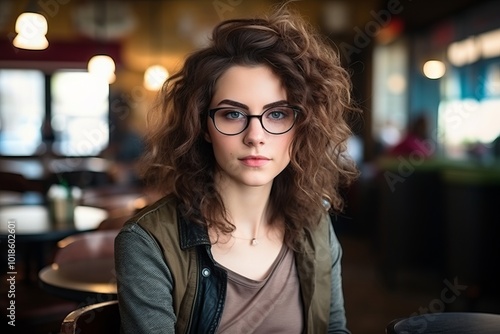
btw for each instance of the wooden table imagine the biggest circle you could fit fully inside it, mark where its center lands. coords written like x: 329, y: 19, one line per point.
x: 32, y: 223
x: 32, y: 231
x: 117, y: 199
x: 83, y: 269
x: 84, y: 282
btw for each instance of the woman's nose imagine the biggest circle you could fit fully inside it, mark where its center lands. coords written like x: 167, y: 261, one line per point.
x: 254, y: 133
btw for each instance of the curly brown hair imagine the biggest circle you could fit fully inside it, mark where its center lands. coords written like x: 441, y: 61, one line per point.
x: 181, y: 163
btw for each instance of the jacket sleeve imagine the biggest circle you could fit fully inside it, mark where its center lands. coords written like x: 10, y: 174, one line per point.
x: 144, y: 283
x: 337, y: 312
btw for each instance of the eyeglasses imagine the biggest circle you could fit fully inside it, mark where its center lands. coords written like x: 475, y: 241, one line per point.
x: 231, y: 121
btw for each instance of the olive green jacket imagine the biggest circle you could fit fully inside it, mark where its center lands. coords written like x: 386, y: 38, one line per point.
x: 168, y: 281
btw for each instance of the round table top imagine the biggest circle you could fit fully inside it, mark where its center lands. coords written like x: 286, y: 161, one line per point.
x: 83, y: 267
x: 98, y: 283
x: 29, y: 222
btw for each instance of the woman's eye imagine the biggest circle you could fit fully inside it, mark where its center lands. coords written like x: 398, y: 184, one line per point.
x: 234, y: 115
x: 277, y: 114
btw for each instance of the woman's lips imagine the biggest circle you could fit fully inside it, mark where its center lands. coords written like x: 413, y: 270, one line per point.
x: 254, y: 161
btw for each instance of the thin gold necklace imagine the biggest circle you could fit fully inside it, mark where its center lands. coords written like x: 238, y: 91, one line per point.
x: 253, y: 241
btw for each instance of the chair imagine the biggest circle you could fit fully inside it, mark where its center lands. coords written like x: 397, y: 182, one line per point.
x: 81, y: 172
x: 17, y: 189
x: 18, y: 183
x: 446, y: 323
x: 99, y: 318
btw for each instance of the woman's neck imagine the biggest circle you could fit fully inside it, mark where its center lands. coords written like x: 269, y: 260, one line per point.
x: 247, y: 208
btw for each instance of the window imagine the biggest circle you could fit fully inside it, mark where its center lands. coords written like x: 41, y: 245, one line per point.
x: 75, y: 117
x: 22, y: 110
x: 80, y: 104
x: 469, y: 118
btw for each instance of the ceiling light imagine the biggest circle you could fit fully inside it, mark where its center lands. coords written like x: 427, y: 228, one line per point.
x: 102, y: 66
x: 154, y: 77
x: 434, y: 69
x: 31, y: 29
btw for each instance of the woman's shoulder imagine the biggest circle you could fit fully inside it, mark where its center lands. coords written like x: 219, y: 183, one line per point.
x: 161, y: 212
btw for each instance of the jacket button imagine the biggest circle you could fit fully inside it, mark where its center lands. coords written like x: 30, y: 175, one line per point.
x: 205, y: 272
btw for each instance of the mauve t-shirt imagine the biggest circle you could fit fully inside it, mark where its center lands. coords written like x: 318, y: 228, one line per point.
x: 272, y: 305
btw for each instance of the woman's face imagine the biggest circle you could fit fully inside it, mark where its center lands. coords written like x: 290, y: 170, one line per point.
x: 253, y: 157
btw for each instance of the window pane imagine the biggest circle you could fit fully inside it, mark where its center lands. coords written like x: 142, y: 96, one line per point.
x: 467, y: 123
x: 22, y: 105
x: 80, y: 107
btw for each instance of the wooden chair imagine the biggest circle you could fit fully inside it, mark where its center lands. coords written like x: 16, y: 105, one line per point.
x: 99, y: 318
x: 16, y: 189
x: 18, y: 183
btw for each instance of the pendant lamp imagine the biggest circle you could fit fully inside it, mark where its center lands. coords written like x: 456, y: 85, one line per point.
x: 31, y: 29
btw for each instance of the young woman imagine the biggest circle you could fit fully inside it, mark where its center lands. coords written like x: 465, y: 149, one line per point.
x: 248, y: 145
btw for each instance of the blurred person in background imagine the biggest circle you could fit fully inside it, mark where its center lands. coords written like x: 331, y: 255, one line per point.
x: 415, y: 140
x: 126, y: 143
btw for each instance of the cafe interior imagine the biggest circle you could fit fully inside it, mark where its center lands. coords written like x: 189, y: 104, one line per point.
x: 77, y: 78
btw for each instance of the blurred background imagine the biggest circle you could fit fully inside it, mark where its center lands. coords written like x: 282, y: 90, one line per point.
x: 421, y: 227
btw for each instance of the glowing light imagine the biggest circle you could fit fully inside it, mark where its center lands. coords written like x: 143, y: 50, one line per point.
x: 464, y: 52
x: 434, y: 69
x: 102, y: 66
x: 154, y: 77
x: 31, y: 29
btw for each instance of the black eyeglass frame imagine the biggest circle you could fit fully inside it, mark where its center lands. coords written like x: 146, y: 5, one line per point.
x: 296, y: 110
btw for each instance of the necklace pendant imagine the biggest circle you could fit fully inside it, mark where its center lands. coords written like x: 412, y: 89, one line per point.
x: 254, y: 242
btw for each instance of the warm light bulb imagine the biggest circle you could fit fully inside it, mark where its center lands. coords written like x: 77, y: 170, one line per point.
x: 102, y: 66
x: 434, y: 69
x: 31, y: 29
x: 154, y: 77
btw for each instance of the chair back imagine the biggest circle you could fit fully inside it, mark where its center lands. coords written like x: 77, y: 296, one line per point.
x: 99, y: 318
x: 446, y: 323
x: 16, y: 189
x: 17, y: 182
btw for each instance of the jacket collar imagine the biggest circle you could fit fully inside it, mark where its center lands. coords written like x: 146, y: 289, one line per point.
x: 191, y: 234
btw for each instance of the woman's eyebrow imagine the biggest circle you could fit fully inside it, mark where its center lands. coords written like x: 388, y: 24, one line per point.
x: 276, y: 104
x: 234, y: 103
x: 244, y: 106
